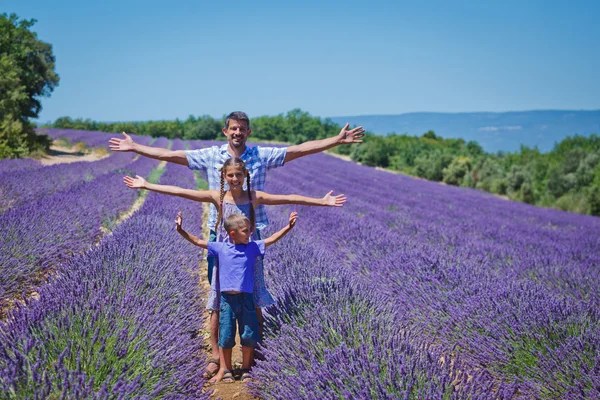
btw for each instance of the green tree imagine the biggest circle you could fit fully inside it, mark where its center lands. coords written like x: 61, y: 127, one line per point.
x: 205, y: 128
x: 430, y: 165
x: 373, y: 152
x: 487, y: 171
x: 593, y: 198
x: 456, y: 171
x: 26, y: 75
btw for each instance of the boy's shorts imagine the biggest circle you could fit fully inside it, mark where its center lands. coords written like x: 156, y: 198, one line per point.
x: 240, y: 308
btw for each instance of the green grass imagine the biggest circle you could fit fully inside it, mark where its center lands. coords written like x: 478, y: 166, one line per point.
x: 63, y: 142
x: 155, y: 175
x: 201, y: 184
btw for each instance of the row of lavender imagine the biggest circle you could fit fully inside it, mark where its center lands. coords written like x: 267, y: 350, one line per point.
x: 118, y: 321
x: 90, y: 139
x: 413, y: 281
x: 47, y: 229
x: 24, y: 180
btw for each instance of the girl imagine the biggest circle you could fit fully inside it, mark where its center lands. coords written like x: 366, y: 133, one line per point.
x: 236, y: 200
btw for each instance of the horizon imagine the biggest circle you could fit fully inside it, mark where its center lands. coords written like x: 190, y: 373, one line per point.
x: 343, y: 116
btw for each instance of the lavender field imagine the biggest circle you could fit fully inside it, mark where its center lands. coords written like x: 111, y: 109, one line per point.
x: 412, y: 290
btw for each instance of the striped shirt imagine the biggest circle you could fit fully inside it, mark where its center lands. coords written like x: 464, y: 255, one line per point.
x: 258, y: 160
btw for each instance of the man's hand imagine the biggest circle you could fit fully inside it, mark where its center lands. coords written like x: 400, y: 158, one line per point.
x: 293, y: 218
x: 351, y: 136
x: 334, y: 201
x: 178, y: 221
x: 116, y: 144
x: 135, y: 183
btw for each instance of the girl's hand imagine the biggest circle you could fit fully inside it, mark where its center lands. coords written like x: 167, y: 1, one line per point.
x: 135, y: 183
x: 293, y: 218
x: 178, y: 220
x: 334, y: 201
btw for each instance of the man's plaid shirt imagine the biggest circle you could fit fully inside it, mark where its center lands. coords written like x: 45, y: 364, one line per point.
x: 258, y: 160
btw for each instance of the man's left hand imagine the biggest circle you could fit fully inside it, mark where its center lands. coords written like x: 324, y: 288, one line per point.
x: 351, y: 136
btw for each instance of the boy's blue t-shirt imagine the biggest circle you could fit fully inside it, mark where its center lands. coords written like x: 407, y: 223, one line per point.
x: 236, y: 264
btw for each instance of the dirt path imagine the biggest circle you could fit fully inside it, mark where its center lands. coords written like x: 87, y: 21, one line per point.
x: 64, y: 155
x: 225, y: 391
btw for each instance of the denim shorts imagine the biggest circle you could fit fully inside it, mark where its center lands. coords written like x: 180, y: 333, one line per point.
x: 238, y: 308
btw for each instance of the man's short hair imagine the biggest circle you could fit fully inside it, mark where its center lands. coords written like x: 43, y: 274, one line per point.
x: 234, y: 221
x: 237, y: 116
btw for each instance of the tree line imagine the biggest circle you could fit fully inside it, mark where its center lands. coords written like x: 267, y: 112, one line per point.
x: 568, y: 177
x: 296, y: 126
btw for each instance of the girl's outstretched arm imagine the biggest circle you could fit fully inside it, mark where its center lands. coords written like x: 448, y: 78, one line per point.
x: 278, y: 235
x: 189, y: 237
x: 204, y: 196
x: 276, y: 199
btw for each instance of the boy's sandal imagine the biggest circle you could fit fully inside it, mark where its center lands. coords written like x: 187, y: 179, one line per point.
x: 228, y: 377
x: 207, y: 374
x: 245, y: 375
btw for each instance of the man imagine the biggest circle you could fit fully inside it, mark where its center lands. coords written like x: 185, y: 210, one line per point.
x: 258, y: 160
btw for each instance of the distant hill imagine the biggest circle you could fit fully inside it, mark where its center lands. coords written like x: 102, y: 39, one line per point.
x: 494, y: 131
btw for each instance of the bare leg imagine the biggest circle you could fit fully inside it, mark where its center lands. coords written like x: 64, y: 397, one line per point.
x: 248, y: 354
x: 214, y: 334
x: 212, y: 367
x: 261, y: 321
x: 226, y: 369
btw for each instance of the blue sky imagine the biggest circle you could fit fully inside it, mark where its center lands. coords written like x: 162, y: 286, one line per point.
x: 142, y: 60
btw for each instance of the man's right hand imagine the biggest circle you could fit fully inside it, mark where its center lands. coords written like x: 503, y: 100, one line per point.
x: 116, y: 144
x: 135, y: 183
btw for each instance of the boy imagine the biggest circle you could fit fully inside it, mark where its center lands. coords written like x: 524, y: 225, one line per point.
x: 236, y: 282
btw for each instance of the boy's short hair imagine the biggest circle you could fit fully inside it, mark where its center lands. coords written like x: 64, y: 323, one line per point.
x: 234, y: 221
x: 237, y: 116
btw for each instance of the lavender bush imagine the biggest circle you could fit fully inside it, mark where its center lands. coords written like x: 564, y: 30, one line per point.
x: 91, y: 139
x: 10, y: 165
x: 38, y: 235
x: 116, y: 322
x: 20, y: 187
x: 502, y: 290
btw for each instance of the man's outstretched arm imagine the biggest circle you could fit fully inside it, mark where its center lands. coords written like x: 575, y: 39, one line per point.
x: 316, y: 146
x: 127, y: 144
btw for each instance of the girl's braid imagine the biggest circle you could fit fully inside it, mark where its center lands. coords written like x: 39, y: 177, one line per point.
x: 221, y: 196
x: 252, y: 218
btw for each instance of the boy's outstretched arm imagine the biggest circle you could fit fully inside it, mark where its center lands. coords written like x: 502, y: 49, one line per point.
x: 127, y: 144
x: 278, y: 199
x: 204, y: 196
x: 315, y: 146
x: 278, y: 235
x: 189, y: 237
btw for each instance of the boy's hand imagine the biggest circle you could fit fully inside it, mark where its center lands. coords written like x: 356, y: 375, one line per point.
x: 293, y: 218
x: 135, y: 183
x: 116, y: 144
x: 178, y: 220
x: 334, y: 201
